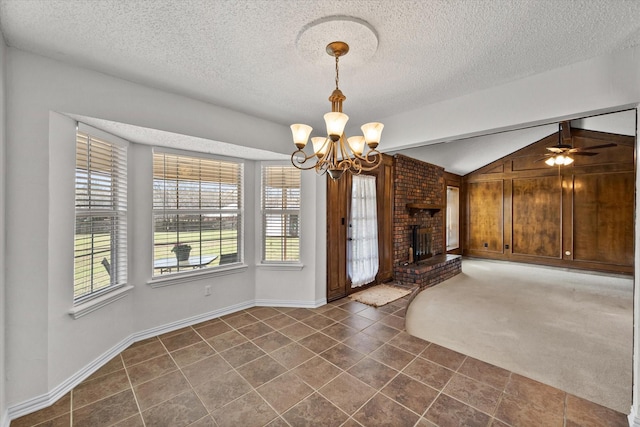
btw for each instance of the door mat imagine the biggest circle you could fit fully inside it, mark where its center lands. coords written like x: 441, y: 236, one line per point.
x: 380, y: 295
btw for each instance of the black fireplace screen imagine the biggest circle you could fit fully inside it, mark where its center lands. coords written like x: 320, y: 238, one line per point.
x: 421, y: 241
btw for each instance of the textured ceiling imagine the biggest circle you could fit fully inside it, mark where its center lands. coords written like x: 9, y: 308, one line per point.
x: 258, y: 57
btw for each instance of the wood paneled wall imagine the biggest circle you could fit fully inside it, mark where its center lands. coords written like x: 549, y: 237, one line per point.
x: 578, y: 216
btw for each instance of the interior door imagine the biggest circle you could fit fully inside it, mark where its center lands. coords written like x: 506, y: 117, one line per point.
x: 338, y: 214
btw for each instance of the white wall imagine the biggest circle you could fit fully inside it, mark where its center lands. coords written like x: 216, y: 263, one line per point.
x: 3, y: 345
x: 44, y: 345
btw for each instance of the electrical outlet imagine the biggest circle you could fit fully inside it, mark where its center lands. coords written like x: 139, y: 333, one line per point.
x: 207, y: 290
x: 486, y: 245
x: 506, y: 246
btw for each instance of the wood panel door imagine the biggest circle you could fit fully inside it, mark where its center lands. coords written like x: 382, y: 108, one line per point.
x: 604, y: 218
x: 485, y: 222
x: 338, y: 197
x: 338, y: 214
x: 536, y: 218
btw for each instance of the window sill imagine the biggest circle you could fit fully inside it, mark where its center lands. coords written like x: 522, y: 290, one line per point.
x: 281, y: 266
x: 179, y: 278
x: 92, y: 305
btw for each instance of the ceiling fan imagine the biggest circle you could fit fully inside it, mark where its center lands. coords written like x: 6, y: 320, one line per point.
x: 562, y: 153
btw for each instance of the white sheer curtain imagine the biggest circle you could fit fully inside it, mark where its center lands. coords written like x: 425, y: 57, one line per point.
x: 362, y: 253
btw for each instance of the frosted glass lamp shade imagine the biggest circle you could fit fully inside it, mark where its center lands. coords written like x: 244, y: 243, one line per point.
x: 300, y: 134
x: 320, y: 145
x: 335, y: 124
x: 372, y: 133
x: 567, y: 160
x: 357, y: 144
x: 550, y: 161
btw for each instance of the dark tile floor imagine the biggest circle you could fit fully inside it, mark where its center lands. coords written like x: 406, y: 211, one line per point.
x: 343, y: 364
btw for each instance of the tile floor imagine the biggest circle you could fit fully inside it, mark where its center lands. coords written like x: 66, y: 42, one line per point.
x: 343, y: 364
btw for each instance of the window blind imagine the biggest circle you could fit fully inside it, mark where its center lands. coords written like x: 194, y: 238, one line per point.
x: 100, y: 247
x: 280, y: 213
x: 197, y: 208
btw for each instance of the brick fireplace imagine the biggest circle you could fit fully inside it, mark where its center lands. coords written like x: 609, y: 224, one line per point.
x: 417, y: 182
x: 419, y: 212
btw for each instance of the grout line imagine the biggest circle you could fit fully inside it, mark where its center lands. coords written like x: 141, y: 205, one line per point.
x: 71, y: 406
x: 135, y: 397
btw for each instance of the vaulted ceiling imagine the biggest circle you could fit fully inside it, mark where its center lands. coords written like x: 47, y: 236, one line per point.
x: 267, y: 57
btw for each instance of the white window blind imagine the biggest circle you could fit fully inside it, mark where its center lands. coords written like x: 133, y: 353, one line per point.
x: 100, y: 250
x: 280, y: 213
x: 197, y: 212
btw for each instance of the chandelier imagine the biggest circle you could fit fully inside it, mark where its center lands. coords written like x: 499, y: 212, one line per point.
x: 334, y: 153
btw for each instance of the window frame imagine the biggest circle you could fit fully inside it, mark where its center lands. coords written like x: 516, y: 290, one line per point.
x: 186, y: 275
x: 118, y: 245
x: 279, y: 211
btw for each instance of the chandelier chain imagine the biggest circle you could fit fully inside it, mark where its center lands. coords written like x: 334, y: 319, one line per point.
x: 337, y: 72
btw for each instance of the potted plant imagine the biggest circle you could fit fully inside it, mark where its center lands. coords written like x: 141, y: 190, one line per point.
x: 182, y: 251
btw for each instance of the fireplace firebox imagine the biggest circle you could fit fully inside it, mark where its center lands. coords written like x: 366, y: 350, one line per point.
x: 422, y: 239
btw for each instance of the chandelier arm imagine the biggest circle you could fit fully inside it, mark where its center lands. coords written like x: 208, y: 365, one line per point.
x: 321, y: 160
x: 355, y: 166
x: 373, y: 152
x: 344, y: 153
x: 330, y: 156
x: 367, y: 158
x: 321, y: 168
x: 299, y: 163
x: 374, y: 163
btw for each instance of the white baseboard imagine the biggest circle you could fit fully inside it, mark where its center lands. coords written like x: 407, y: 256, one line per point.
x: 159, y: 330
x: 48, y: 399
x: 634, y: 419
x: 290, y: 303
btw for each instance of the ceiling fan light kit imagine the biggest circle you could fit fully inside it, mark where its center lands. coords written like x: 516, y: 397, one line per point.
x: 559, y: 160
x: 334, y: 153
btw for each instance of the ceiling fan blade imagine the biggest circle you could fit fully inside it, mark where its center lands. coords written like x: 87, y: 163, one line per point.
x: 555, y: 150
x: 593, y: 147
x: 541, y: 159
x: 583, y: 153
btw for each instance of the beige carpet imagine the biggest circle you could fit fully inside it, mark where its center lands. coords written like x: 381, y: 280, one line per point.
x: 571, y: 330
x: 380, y: 295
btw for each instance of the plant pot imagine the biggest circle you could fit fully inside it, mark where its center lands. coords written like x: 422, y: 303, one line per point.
x: 182, y: 253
